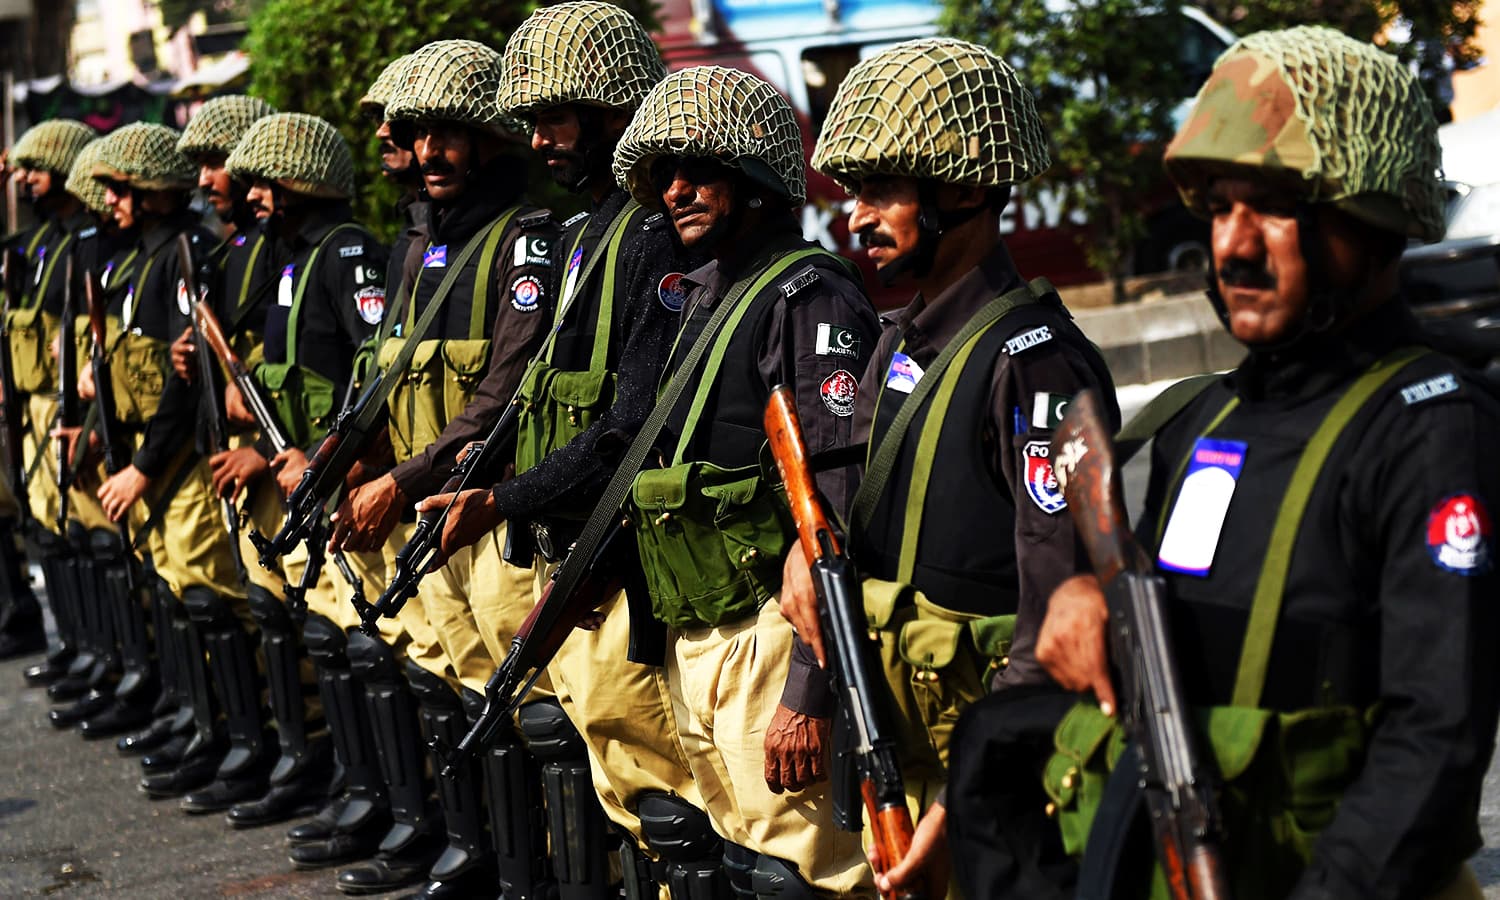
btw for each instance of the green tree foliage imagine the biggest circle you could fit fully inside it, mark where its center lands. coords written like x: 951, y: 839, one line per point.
x: 319, y: 56
x: 1106, y: 80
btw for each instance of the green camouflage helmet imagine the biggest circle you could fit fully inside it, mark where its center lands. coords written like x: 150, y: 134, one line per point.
x: 52, y: 146
x: 713, y: 111
x: 1338, y: 119
x: 220, y: 123
x: 583, y: 52
x: 452, y: 81
x: 373, y: 103
x: 934, y: 108
x: 302, y: 153
x: 145, y: 156
x: 81, y: 182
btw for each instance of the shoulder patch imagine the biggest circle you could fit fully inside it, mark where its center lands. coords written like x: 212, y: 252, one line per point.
x: 671, y: 292
x: 88, y: 232
x: 1041, y: 481
x: 1048, y: 409
x: 836, y: 340
x: 800, y: 282
x: 1427, y: 389
x: 1458, y: 535
x: 370, y: 302
x: 1028, y: 339
x: 839, y: 391
x: 351, y: 252
x: 533, y: 251
x: 574, y: 219
x: 526, y: 294
x: 535, y: 220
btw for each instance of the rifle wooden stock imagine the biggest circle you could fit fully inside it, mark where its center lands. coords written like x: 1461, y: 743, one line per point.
x: 846, y: 638
x: 212, y: 333
x: 1177, y: 782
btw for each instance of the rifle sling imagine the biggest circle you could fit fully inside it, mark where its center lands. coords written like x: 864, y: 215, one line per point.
x: 1156, y: 414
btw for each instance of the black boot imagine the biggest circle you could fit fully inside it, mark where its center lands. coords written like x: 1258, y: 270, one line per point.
x: 125, y: 598
x: 415, y: 840
x: 580, y: 844
x: 244, y: 771
x: 200, y: 756
x: 21, y: 630
x: 467, y: 867
x: 350, y: 827
x: 61, y: 654
x: 60, y: 569
x: 518, y: 819
x: 152, y: 737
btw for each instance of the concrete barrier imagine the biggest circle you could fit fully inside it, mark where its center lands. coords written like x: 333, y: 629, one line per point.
x: 1153, y: 340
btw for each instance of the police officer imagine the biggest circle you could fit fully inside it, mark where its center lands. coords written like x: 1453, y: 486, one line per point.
x: 330, y: 296
x: 718, y: 151
x: 1332, y: 596
x: 578, y: 71
x: 902, y: 135
x: 481, y: 284
x: 400, y: 167
x: 43, y: 157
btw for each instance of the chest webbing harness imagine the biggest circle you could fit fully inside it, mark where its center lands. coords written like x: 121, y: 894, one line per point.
x: 486, y: 242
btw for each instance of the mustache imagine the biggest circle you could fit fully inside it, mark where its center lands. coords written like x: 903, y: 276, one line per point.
x: 552, y: 153
x: 1243, y: 273
x: 438, y: 167
x: 869, y: 237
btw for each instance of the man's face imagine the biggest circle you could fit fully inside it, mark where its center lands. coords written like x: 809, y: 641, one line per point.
x: 394, y: 162
x: 556, y: 135
x: 262, y: 199
x: 36, y: 184
x: 447, y: 153
x: 885, y: 218
x: 1258, y: 263
x: 698, y: 194
x: 121, y: 200
x: 214, y: 182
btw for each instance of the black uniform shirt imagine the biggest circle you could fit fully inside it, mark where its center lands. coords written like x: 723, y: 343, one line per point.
x: 72, y: 228
x: 246, y: 278
x: 1391, y: 595
x: 1052, y: 368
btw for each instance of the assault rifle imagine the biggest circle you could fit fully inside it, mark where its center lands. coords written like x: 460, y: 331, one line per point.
x: 12, y: 278
x: 1162, y: 764
x: 857, y: 678
x: 340, y: 449
x: 206, y: 323
x: 210, y: 398
x: 545, y: 628
x: 67, y: 387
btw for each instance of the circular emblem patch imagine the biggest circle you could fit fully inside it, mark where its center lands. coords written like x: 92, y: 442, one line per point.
x: 370, y: 302
x: 525, y: 293
x: 184, y: 301
x: 1041, y: 482
x: 839, y: 392
x: 671, y: 293
x: 1458, y: 535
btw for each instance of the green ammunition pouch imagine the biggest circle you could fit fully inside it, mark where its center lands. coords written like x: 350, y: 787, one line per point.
x: 711, y: 541
x: 31, y: 333
x: 442, y: 374
x: 139, y: 368
x: 303, y: 401
x: 1283, y: 775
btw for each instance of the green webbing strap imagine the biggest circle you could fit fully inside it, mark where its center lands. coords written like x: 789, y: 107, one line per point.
x: 483, y: 286
x: 1162, y: 409
x: 138, y: 284
x: 307, y: 269
x: 1255, y: 655
x: 725, y: 336
x: 599, y: 359
x: 609, y: 243
x: 260, y: 242
x: 49, y: 265
x: 883, y: 460
x: 1177, y: 475
x: 486, y: 240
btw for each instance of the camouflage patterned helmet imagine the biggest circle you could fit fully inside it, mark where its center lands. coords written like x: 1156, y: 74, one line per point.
x: 582, y: 52
x: 81, y: 182
x: 452, y: 81
x: 302, y: 153
x: 934, y: 108
x: 722, y: 113
x: 145, y: 156
x: 1338, y: 119
x: 373, y: 103
x: 220, y: 123
x: 52, y: 146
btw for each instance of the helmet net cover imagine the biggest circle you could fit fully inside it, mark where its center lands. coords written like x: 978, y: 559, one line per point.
x: 1339, y: 119
x: 452, y: 81
x: 716, y: 112
x: 52, y: 146
x: 145, y: 156
x: 581, y: 52
x: 220, y: 123
x: 374, y: 101
x: 934, y: 108
x: 81, y: 182
x: 300, y: 152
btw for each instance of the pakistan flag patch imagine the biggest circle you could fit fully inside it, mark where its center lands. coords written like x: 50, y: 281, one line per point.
x: 1047, y: 410
x: 834, y: 340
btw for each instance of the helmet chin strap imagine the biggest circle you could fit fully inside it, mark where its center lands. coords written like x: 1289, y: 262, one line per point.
x: 931, y: 224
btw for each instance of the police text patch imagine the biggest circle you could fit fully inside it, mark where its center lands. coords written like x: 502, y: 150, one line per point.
x: 1028, y: 339
x: 836, y: 340
x: 1436, y: 386
x: 351, y: 252
x: 799, y: 282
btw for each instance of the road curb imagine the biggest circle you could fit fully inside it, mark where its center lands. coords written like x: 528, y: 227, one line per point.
x: 1153, y: 340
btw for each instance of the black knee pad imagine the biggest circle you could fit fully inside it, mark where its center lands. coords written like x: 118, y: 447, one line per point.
x: 104, y: 544
x: 431, y: 691
x: 777, y: 879
x: 207, y: 608
x: 78, y: 534
x: 548, y: 733
x: 268, y: 610
x: 372, y: 659
x: 326, y: 642
x: 739, y: 866
x: 675, y: 828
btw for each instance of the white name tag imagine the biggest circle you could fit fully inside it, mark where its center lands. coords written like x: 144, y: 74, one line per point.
x: 1192, y: 534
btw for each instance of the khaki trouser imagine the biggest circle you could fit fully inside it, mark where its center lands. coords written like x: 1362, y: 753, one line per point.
x: 725, y: 685
x: 262, y: 510
x: 623, y: 711
x: 444, y: 599
x: 41, y: 487
x: 500, y: 598
x: 409, y: 634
